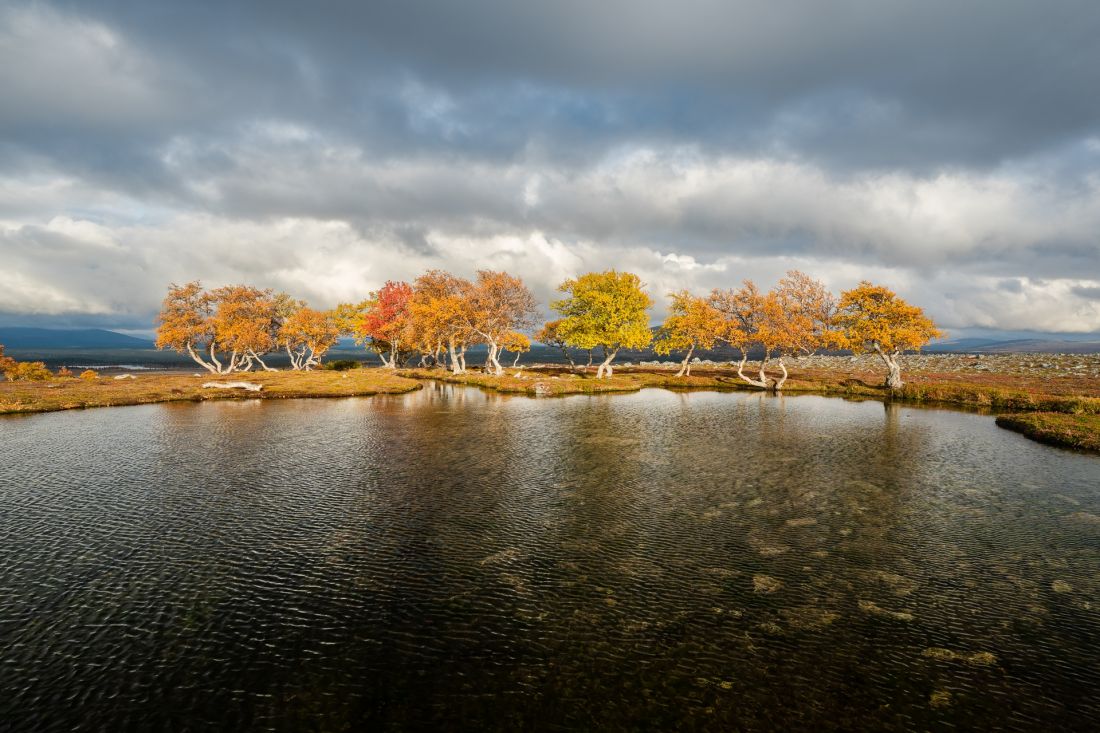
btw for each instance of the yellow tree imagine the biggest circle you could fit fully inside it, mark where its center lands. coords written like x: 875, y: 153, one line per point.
x: 550, y: 335
x: 692, y: 323
x: 307, y: 334
x: 516, y: 342
x: 496, y: 305
x: 873, y: 317
x: 439, y: 318
x: 606, y: 309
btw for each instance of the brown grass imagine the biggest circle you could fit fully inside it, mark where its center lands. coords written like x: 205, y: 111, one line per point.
x: 73, y: 393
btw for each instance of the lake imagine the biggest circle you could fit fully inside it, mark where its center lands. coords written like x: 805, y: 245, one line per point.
x: 455, y: 559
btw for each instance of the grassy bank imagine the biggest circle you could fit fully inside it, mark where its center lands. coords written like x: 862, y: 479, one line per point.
x: 1071, y: 409
x: 1056, y: 428
x: 73, y: 393
x: 1067, y: 414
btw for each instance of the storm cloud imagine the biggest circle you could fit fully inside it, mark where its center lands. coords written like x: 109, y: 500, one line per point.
x: 950, y: 150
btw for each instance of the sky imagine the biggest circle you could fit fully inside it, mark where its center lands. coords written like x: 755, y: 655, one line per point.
x: 948, y: 149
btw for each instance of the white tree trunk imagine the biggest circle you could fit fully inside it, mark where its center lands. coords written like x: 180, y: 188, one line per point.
x: 893, y: 374
x: 685, y: 367
x: 762, y: 383
x: 198, y: 359
x: 779, y: 384
x: 605, y: 365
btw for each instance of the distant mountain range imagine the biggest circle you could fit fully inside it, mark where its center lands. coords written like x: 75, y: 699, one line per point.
x: 68, y: 338
x: 1016, y: 346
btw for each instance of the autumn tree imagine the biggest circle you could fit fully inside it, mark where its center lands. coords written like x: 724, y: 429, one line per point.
x: 6, y: 362
x: 385, y: 322
x: 606, y: 309
x: 246, y: 323
x: 692, y: 323
x: 438, y: 311
x: 742, y: 311
x: 498, y: 304
x: 224, y: 330
x: 516, y: 342
x: 872, y: 317
x: 307, y: 334
x: 795, y: 320
x: 550, y: 335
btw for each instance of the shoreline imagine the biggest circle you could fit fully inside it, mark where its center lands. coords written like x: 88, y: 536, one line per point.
x: 1067, y: 416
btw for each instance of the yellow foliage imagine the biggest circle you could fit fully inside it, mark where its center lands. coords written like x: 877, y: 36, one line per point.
x: 692, y: 323
x: 607, y: 309
x: 873, y: 317
x: 89, y: 375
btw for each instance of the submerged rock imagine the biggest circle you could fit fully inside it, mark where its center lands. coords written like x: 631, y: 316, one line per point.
x: 978, y: 659
x: 876, y: 610
x: 766, y: 584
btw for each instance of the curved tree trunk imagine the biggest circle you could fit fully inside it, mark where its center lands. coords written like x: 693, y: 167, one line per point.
x: 685, y: 367
x: 198, y: 359
x: 893, y: 373
x: 779, y: 385
x: 515, y: 363
x: 266, y: 368
x: 605, y: 365
x: 762, y: 383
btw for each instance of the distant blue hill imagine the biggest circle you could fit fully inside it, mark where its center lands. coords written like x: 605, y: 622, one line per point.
x: 18, y: 337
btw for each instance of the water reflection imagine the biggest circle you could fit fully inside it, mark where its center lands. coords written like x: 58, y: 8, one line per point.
x: 661, y: 560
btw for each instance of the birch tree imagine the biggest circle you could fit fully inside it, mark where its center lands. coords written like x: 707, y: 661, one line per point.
x: 606, y: 309
x: 692, y: 323
x: 873, y: 318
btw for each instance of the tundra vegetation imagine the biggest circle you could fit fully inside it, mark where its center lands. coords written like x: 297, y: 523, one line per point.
x: 439, y: 316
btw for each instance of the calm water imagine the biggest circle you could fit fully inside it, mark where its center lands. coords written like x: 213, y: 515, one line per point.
x: 458, y: 560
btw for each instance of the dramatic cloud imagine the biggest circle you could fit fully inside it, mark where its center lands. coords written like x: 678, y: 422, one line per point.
x: 950, y: 150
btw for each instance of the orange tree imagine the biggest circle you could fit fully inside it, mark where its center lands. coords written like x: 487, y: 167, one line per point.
x: 307, y: 334
x: 692, y: 323
x: 550, y: 335
x: 498, y: 304
x: 225, y: 330
x: 6, y: 362
x: 439, y: 318
x: 743, y: 312
x: 606, y: 309
x: 796, y: 319
x: 873, y: 318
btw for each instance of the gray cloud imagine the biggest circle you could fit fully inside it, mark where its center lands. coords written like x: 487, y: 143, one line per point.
x: 950, y: 149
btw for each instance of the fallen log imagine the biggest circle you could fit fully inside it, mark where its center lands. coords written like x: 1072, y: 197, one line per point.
x: 250, y: 386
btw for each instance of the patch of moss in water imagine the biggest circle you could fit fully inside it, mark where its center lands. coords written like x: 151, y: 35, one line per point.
x: 978, y: 659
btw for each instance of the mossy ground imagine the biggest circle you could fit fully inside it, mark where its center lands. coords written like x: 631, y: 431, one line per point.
x: 74, y: 393
x: 1056, y: 428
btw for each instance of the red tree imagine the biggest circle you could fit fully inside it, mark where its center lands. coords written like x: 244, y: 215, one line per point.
x: 387, y: 319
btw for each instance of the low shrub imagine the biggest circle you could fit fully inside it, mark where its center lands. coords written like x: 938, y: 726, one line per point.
x: 29, y: 371
x: 64, y: 372
x: 89, y: 375
x: 342, y: 365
